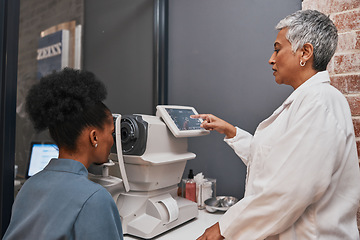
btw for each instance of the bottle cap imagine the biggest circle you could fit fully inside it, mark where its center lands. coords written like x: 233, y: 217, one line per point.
x: 191, y: 174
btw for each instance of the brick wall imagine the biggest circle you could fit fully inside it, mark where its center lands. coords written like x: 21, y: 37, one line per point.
x: 344, y: 67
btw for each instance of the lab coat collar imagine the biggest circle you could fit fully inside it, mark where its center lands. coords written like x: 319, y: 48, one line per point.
x: 66, y: 165
x: 320, y: 77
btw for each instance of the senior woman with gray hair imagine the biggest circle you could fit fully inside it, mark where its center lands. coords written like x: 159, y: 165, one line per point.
x: 303, y: 173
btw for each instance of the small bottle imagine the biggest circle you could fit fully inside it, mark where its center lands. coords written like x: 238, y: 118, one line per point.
x: 190, y: 187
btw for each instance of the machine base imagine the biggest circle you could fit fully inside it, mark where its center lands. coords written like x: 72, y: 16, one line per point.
x: 148, y: 214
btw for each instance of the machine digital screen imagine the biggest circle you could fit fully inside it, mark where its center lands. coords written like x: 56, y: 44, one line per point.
x: 40, y: 156
x: 179, y: 122
x: 182, y: 120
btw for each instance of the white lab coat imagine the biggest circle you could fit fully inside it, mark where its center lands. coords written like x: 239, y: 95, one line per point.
x: 303, y: 179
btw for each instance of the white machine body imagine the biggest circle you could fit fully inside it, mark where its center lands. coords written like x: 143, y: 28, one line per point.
x: 144, y: 181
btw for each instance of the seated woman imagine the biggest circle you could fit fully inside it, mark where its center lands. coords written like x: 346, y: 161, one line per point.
x: 60, y: 202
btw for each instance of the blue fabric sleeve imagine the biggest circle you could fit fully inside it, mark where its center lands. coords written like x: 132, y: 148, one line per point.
x: 99, y: 218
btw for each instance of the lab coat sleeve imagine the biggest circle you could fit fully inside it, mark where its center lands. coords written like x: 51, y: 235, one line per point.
x: 241, y: 144
x: 299, y: 166
x: 98, y: 218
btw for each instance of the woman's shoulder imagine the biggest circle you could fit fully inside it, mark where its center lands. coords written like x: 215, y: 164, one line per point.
x: 101, y: 194
x: 329, y: 102
x: 100, y: 200
x: 89, y: 188
x: 322, y: 94
x: 330, y: 97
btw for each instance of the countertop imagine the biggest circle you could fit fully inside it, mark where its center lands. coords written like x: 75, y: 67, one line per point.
x: 189, y: 230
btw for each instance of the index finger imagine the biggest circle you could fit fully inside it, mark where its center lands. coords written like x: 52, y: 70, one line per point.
x: 203, y: 116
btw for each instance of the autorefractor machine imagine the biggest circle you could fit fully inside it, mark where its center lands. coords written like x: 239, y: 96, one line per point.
x: 146, y: 165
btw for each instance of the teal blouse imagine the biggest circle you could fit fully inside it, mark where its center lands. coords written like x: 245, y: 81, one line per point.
x: 61, y: 203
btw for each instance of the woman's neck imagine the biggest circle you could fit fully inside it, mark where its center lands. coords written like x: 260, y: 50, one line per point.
x: 303, y: 77
x: 74, y: 155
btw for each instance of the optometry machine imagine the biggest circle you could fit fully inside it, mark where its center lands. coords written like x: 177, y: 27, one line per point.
x: 146, y: 165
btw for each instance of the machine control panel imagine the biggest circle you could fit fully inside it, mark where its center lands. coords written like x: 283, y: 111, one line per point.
x: 178, y: 120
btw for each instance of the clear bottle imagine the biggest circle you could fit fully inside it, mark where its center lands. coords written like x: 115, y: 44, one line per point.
x: 190, y: 187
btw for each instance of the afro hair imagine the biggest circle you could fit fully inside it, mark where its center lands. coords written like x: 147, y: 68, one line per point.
x: 62, y: 96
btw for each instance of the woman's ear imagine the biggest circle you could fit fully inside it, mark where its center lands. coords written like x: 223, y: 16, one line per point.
x: 307, y: 52
x: 93, y: 138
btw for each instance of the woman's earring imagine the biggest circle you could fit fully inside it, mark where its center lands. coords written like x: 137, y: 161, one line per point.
x: 95, y: 145
x: 302, y: 63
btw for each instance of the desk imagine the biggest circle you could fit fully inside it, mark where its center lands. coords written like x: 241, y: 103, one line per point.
x: 189, y: 230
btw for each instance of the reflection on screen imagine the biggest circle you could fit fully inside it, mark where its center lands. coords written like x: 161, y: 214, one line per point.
x: 182, y: 120
x: 41, y: 154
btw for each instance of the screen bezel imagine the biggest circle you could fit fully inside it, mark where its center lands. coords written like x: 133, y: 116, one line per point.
x: 30, y: 153
x: 161, y: 111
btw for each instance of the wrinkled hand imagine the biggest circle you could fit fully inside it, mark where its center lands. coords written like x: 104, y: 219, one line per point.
x: 212, y: 233
x: 212, y: 122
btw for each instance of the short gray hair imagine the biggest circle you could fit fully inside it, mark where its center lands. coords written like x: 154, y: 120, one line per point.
x: 311, y: 26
